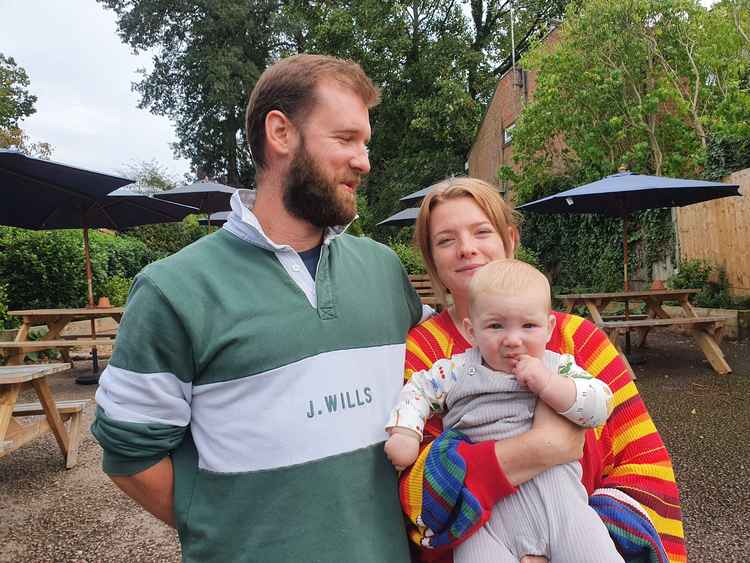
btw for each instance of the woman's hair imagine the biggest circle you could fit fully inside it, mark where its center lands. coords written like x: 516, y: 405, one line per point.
x: 500, y: 214
x: 510, y: 277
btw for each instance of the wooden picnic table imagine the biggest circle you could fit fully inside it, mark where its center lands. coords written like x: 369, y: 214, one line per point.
x: 13, y: 434
x: 56, y: 320
x: 706, y: 331
x: 423, y: 286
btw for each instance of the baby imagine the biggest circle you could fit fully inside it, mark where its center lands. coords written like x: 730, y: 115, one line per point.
x: 489, y: 392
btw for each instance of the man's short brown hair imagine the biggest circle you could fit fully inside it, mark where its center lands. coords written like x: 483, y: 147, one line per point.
x: 289, y: 86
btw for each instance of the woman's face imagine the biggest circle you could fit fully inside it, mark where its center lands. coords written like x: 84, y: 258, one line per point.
x: 463, y: 240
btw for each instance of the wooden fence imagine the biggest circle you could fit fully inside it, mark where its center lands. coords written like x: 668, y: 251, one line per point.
x: 719, y: 231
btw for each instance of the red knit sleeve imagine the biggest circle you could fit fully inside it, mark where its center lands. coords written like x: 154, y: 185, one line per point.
x: 628, y: 449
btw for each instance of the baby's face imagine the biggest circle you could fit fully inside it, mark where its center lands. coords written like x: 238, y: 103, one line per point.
x: 505, y: 326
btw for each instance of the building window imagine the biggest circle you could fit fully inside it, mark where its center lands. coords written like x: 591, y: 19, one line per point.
x: 508, y: 134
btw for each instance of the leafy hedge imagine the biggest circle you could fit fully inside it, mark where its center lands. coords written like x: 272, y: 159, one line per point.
x: 44, y: 269
x: 165, y: 239
x: 712, y: 282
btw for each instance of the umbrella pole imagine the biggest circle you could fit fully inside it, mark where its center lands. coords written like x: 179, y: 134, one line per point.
x: 90, y: 283
x: 626, y: 285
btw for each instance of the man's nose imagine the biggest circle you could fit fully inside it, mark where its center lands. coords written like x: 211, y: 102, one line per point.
x: 361, y: 162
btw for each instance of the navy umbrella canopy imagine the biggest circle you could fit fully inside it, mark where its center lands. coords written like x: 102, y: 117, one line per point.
x: 42, y: 194
x: 403, y: 217
x: 205, y: 196
x: 415, y: 197
x: 623, y: 193
x: 35, y: 193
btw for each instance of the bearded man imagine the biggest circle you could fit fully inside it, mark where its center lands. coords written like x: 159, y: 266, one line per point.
x: 253, y: 370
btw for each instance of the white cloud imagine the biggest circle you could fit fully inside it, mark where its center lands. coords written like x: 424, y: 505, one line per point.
x: 82, y: 74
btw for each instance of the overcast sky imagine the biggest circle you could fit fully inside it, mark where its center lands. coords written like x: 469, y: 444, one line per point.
x: 82, y: 74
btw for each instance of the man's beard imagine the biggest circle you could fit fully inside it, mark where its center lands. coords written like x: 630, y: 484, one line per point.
x: 308, y: 195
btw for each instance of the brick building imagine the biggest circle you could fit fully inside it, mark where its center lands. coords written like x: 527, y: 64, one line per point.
x: 493, y: 145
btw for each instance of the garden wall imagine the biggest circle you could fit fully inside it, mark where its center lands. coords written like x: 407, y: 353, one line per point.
x: 719, y: 231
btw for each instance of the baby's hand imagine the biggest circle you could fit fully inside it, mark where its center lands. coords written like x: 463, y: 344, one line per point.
x: 532, y: 373
x: 402, y: 448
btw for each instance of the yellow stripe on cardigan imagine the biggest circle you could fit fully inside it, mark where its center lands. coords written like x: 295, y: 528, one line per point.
x: 417, y: 351
x: 602, y: 358
x: 665, y: 525
x: 631, y: 433
x: 663, y: 472
x: 414, y: 486
x: 624, y: 393
x: 444, y: 340
x: 568, y: 330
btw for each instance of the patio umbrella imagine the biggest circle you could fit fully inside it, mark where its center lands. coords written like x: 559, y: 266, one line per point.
x: 41, y: 194
x: 403, y: 217
x: 218, y: 218
x: 621, y: 194
x: 415, y: 197
x: 205, y: 196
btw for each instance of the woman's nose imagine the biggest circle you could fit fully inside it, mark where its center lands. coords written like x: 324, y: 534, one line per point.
x: 466, y: 248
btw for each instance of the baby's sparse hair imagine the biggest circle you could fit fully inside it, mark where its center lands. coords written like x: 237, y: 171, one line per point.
x: 509, y: 277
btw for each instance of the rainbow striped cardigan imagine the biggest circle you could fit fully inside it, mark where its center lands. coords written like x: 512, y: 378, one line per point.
x: 449, y: 492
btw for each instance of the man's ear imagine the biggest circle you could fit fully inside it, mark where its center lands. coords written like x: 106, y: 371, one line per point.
x: 281, y: 134
x: 469, y: 328
x: 551, y: 322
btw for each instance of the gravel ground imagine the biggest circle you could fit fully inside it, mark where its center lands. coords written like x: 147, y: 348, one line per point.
x: 53, y: 515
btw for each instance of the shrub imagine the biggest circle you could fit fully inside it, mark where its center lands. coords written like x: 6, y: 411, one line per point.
x: 529, y: 256
x: 166, y: 239
x: 410, y: 257
x: 116, y: 288
x: 45, y: 269
x: 5, y: 320
x: 710, y: 279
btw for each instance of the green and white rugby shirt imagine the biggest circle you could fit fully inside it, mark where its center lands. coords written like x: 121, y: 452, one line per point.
x: 269, y: 389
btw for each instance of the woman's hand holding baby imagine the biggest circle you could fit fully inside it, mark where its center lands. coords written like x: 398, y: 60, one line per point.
x: 402, y: 448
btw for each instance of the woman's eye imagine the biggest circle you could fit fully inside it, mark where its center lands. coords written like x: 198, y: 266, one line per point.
x: 444, y: 241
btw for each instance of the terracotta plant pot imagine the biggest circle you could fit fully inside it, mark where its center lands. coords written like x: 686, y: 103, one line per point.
x: 104, y: 302
x: 657, y: 284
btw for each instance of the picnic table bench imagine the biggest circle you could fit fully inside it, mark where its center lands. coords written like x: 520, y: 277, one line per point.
x: 425, y: 291
x: 13, y: 435
x: 56, y: 320
x: 706, y: 331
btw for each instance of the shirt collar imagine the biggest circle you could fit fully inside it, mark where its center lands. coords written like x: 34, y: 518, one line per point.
x: 243, y: 223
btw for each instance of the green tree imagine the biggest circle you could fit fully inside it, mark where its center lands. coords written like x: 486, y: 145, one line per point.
x: 167, y: 238
x: 436, y: 62
x: 17, y: 103
x: 208, y: 57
